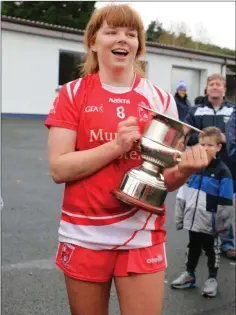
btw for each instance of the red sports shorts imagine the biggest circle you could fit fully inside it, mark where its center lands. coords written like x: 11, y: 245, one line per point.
x: 101, y: 265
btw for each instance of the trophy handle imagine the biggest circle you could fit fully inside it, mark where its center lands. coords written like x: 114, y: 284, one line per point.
x: 149, y: 109
x: 181, y: 125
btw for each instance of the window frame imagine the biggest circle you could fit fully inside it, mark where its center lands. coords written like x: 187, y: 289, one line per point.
x: 81, y: 54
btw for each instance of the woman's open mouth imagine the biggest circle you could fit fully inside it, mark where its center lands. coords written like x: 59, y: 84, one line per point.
x: 120, y: 52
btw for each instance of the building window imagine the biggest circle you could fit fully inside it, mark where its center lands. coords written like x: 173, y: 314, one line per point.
x: 69, y: 66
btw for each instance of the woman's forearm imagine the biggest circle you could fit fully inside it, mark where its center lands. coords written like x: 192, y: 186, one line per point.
x: 174, y: 178
x: 77, y: 165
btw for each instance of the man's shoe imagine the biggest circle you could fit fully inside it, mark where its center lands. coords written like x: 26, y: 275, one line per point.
x: 230, y: 253
x: 210, y: 288
x: 184, y: 281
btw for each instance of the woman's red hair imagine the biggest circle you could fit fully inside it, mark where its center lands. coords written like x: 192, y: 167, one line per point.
x: 118, y: 16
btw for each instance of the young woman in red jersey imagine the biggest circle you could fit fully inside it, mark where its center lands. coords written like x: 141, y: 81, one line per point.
x: 93, y: 125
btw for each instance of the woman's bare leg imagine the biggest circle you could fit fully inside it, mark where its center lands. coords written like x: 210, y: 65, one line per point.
x: 88, y: 298
x: 141, y: 294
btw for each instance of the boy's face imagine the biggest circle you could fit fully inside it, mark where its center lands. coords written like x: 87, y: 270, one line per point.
x: 210, y: 144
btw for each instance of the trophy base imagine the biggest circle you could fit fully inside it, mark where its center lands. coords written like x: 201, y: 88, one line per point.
x: 137, y: 203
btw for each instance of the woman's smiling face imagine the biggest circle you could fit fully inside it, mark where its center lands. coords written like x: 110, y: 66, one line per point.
x: 116, y: 47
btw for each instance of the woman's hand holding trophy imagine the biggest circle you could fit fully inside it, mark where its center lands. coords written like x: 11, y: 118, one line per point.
x: 166, y: 165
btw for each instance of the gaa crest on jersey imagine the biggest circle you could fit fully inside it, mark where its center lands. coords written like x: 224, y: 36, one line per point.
x: 66, y: 253
x: 143, y: 114
x: 54, y: 105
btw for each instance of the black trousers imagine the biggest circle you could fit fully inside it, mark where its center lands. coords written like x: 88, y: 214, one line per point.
x: 210, y: 244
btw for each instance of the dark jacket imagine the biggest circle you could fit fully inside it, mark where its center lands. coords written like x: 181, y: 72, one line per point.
x: 230, y: 133
x: 204, y: 203
x: 200, y: 100
x: 204, y: 115
x: 183, y: 106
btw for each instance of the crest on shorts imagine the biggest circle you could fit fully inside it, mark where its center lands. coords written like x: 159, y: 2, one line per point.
x: 66, y: 253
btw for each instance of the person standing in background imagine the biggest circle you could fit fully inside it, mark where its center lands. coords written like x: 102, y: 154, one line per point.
x: 230, y: 131
x: 215, y: 111
x: 204, y: 208
x: 181, y: 99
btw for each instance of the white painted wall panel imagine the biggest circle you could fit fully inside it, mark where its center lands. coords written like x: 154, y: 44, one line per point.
x: 160, y: 69
x: 30, y: 71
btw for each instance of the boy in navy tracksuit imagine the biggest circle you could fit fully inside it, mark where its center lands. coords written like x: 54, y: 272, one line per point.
x: 216, y: 111
x: 204, y: 208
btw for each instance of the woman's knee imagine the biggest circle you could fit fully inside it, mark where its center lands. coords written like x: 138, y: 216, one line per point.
x: 141, y: 293
x: 90, y: 298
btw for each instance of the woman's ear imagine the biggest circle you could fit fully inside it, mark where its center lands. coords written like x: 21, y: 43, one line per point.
x: 93, y: 48
x: 93, y: 45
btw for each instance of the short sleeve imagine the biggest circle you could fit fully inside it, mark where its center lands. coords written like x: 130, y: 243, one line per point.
x: 167, y: 102
x: 64, y: 112
x: 171, y: 107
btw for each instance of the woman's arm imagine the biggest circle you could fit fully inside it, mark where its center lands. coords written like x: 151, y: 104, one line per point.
x: 192, y: 161
x: 67, y: 165
x: 174, y: 178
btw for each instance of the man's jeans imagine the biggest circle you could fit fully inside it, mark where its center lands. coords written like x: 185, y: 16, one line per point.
x: 227, y: 240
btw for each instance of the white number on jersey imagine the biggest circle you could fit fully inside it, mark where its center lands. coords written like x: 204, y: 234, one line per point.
x: 120, y: 112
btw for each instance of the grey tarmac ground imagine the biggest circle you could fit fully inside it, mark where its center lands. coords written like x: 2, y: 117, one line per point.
x: 31, y: 284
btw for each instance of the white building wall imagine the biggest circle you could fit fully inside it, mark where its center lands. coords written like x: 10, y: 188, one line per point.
x: 30, y: 70
x: 160, y: 68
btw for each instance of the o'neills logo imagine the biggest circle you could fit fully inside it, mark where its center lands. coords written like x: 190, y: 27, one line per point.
x: 119, y: 100
x: 154, y: 260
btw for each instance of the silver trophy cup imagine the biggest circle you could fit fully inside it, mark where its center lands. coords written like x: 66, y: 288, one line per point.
x: 161, y: 147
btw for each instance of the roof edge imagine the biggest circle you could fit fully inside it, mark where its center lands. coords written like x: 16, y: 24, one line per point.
x: 66, y: 29
x: 39, y: 24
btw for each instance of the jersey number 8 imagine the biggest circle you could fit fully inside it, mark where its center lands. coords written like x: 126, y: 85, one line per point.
x: 120, y: 112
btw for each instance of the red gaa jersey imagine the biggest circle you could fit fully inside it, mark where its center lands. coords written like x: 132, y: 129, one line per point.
x: 91, y: 216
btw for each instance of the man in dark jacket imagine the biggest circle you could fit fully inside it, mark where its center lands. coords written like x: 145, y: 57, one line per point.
x: 230, y: 132
x: 231, y: 139
x: 215, y: 111
x: 181, y: 99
